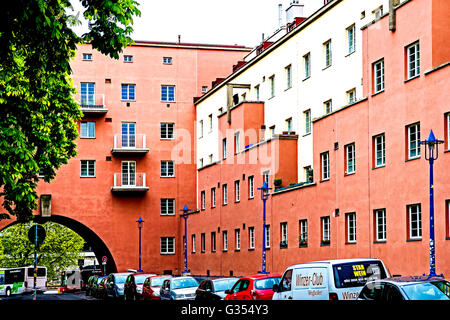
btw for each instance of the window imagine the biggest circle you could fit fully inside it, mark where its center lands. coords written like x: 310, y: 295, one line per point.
x: 257, y: 92
x: 224, y: 148
x: 351, y: 96
x: 308, y: 172
x: 325, y: 165
x: 303, y: 231
x: 447, y: 218
x: 167, y: 60
x: 237, y: 190
x: 203, y: 200
x: 288, y: 71
x: 87, y: 129
x: 413, y: 132
x: 237, y: 142
x: 127, y: 58
x: 328, y: 106
x: 350, y: 219
x: 284, y: 234
x: 447, y: 130
x: 168, y: 93
x: 379, y: 150
x: 237, y: 234
x: 87, y: 168
x: 350, y: 39
x: 200, y: 129
x: 413, y: 60
x: 213, y: 197
x: 327, y: 53
x: 272, y: 131
x: 128, y: 134
x: 251, y: 187
x: 378, y: 76
x: 213, y: 241
x: 266, y: 179
x: 272, y: 86
x: 210, y: 123
x: 202, y: 242
x: 167, y: 169
x: 193, y: 243
x: 289, y: 125
x: 415, y: 221
x: 87, y: 93
x: 325, y: 226
x: 204, y: 89
x: 307, y: 65
x: 380, y: 224
x: 267, y: 236
x: 128, y: 173
x: 210, y: 158
x: 128, y: 92
x: 167, y: 130
x: 225, y: 194
x: 167, y: 207
x: 307, y: 117
x: 87, y: 56
x: 350, y: 165
x: 377, y: 13
x: 225, y: 240
x: 167, y: 245
x: 200, y: 163
x: 251, y: 237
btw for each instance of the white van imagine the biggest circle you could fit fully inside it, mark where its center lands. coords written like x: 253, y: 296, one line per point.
x: 328, y: 280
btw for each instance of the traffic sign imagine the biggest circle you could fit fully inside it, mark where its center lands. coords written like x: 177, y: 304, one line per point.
x: 40, y: 234
x: 104, y: 259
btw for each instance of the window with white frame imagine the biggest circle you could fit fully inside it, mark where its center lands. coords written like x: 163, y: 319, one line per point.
x: 351, y: 96
x: 327, y: 54
x: 251, y: 237
x: 213, y: 242
x: 251, y: 187
x: 128, y: 134
x: 225, y: 240
x: 167, y: 93
x: 237, y: 238
x: 351, y: 227
x: 200, y: 164
x: 288, y: 71
x: 413, y: 132
x: 210, y: 158
x: 193, y: 243
x: 167, y: 131
x: 257, y: 92
x: 200, y: 129
x: 350, y: 39
x: 225, y: 194
x: 224, y: 148
x: 350, y: 163
x: 203, y: 200
x: 307, y: 118
x: 413, y: 60
x: 128, y: 173
x: 307, y: 65
x: 87, y: 169
x: 267, y: 230
x: 272, y: 86
x: 87, y: 93
x: 303, y: 237
x: 415, y: 221
x: 325, y: 226
x: 325, y: 165
x: 380, y: 224
x: 167, y: 60
x: 204, y: 89
x: 328, y: 106
x: 167, y: 245
x: 210, y: 123
x: 237, y: 142
x: 378, y: 13
x: 167, y: 169
x: 213, y: 197
x: 167, y: 207
x: 87, y: 129
x: 284, y: 233
x: 289, y: 125
x: 266, y: 179
x: 380, y: 151
x: 127, y: 58
x: 378, y: 76
x: 237, y: 190
x: 447, y: 125
x: 128, y: 92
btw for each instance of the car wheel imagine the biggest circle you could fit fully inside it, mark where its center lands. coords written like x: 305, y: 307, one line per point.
x: 8, y: 292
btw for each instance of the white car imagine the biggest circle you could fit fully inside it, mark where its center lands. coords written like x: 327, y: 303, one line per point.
x: 328, y: 280
x: 178, y: 288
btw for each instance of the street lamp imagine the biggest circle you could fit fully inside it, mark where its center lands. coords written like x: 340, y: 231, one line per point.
x: 264, y: 196
x: 185, y: 216
x: 431, y: 145
x: 140, y: 224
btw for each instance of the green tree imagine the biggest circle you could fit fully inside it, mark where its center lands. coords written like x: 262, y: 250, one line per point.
x: 60, y: 250
x: 38, y: 112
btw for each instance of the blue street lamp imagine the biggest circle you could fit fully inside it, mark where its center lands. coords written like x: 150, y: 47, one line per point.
x: 264, y: 196
x: 140, y: 223
x: 431, y: 154
x: 185, y: 216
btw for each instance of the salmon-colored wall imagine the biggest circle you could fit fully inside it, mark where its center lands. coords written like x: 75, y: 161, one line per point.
x: 440, y: 27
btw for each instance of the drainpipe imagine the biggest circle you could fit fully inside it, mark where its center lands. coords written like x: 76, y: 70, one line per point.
x: 392, y: 14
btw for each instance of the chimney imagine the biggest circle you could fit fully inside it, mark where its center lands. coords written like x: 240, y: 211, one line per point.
x: 280, y: 22
x: 295, y: 10
x: 392, y: 14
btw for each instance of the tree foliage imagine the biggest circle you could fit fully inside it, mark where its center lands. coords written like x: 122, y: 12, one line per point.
x: 38, y: 112
x: 60, y: 250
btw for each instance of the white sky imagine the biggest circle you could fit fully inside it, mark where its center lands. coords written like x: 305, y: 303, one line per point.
x: 240, y: 22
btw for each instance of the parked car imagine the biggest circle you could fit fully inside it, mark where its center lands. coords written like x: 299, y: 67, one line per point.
x: 257, y: 287
x: 406, y: 288
x: 328, y: 280
x: 152, y: 286
x: 214, y: 289
x: 133, y: 285
x: 179, y: 288
x: 115, y: 284
x: 99, y: 289
x: 89, y: 285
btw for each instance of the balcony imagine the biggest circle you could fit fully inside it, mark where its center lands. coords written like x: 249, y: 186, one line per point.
x: 130, y: 144
x: 92, y: 104
x: 129, y: 183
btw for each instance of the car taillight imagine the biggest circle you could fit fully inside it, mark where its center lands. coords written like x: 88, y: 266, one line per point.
x: 333, y: 296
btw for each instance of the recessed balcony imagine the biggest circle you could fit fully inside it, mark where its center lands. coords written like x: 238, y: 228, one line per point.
x: 130, y: 144
x: 129, y: 183
x: 92, y: 104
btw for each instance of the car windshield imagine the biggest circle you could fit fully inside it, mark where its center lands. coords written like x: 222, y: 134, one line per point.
x: 266, y: 283
x: 120, y: 278
x: 184, y: 283
x: 439, y: 290
x: 222, y: 285
x: 140, y: 278
x: 157, y: 282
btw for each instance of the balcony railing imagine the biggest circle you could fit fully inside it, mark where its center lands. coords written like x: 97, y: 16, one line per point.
x: 130, y: 144
x: 92, y: 104
x: 129, y: 182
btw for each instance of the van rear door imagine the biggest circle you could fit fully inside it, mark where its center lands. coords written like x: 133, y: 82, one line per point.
x: 310, y: 283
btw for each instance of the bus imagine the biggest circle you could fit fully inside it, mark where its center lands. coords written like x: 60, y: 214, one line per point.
x: 20, y: 280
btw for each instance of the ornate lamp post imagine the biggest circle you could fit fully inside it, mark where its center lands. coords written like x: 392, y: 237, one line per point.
x: 140, y: 224
x: 264, y: 196
x: 185, y: 216
x: 431, y: 154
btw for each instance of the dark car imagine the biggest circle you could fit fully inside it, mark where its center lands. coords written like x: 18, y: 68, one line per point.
x: 99, y: 289
x: 132, y: 289
x: 152, y: 287
x: 406, y: 288
x: 214, y: 289
x: 115, y: 284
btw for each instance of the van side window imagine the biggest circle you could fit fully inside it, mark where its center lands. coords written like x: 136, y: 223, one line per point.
x: 285, y: 284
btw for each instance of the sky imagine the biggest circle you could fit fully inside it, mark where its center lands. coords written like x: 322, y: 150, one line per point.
x: 230, y: 22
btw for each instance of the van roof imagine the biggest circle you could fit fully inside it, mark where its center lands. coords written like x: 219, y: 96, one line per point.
x: 337, y: 261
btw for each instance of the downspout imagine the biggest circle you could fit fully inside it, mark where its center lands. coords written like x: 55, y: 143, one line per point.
x: 392, y: 14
